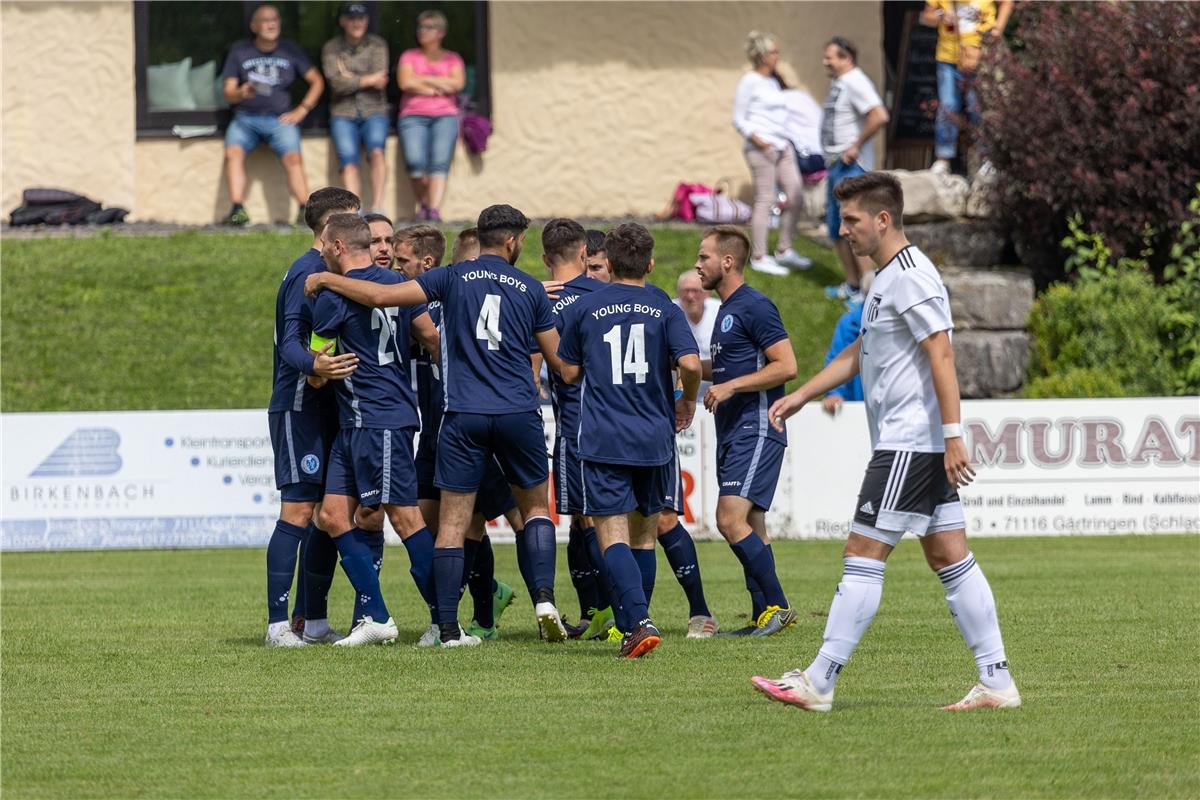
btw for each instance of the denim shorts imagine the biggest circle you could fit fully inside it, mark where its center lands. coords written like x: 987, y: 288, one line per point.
x: 428, y: 143
x: 839, y: 172
x: 247, y: 131
x: 348, y: 132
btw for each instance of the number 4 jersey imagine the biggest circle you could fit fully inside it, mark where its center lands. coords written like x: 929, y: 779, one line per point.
x: 628, y: 339
x: 379, y: 394
x: 490, y: 313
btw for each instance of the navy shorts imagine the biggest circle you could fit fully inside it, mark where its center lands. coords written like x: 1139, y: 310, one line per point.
x: 495, y: 495
x: 673, y: 498
x: 568, y: 477
x: 374, y: 466
x: 467, y: 442
x: 748, y: 466
x: 301, y: 442
x: 612, y: 489
x: 426, y: 462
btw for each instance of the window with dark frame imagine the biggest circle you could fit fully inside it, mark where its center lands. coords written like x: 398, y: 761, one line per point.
x: 180, y: 50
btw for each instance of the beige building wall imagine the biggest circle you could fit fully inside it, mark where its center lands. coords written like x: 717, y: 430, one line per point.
x: 599, y: 109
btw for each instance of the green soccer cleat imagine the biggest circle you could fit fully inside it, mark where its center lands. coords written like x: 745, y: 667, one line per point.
x: 486, y: 634
x: 601, y: 623
x: 502, y: 598
x: 238, y: 217
x: 614, y: 635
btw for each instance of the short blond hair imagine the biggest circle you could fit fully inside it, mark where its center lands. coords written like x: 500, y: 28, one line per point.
x: 757, y: 45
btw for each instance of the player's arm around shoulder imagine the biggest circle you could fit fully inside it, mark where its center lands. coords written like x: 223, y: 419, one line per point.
x: 367, y: 293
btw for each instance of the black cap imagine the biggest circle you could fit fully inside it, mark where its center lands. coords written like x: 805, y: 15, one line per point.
x: 354, y: 10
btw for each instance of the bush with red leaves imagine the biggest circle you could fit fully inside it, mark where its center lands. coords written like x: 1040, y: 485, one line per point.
x: 1096, y: 113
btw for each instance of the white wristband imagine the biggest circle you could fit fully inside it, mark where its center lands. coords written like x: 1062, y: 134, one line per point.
x: 952, y: 430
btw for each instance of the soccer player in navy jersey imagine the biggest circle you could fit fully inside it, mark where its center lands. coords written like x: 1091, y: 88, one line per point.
x: 371, y: 463
x: 418, y: 249
x: 752, y: 359
x: 564, y: 244
x: 492, y: 314
x: 303, y: 424
x: 382, y: 240
x: 620, y: 344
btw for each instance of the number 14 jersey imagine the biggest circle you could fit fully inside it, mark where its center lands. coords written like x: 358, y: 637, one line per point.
x: 490, y: 313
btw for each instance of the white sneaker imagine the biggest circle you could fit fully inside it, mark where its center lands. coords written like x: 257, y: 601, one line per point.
x: 940, y: 167
x: 981, y: 696
x: 790, y: 258
x: 702, y: 627
x: 430, y: 637
x: 768, y: 266
x: 464, y: 640
x: 280, y: 634
x: 317, y: 631
x: 368, y: 631
x: 550, y: 622
x: 794, y: 688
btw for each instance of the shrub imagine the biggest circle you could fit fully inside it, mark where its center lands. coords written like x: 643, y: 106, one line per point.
x: 1095, y: 113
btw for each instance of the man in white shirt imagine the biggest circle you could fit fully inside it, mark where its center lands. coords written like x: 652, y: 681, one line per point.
x: 700, y: 308
x: 907, y: 364
x: 853, y: 115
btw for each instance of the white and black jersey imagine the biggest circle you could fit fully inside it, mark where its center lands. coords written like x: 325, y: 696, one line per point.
x: 907, y: 304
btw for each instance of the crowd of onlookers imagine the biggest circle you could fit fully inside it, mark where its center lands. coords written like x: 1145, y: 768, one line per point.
x: 259, y: 72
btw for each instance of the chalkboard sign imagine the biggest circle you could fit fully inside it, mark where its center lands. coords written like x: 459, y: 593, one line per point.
x: 915, y: 100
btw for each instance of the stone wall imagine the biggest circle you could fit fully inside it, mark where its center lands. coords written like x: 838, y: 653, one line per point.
x: 990, y: 301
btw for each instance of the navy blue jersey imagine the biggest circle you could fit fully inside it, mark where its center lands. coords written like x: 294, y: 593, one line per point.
x: 427, y: 378
x: 379, y: 394
x: 747, y: 324
x: 490, y: 313
x: 628, y: 339
x: 293, y: 326
x: 565, y: 396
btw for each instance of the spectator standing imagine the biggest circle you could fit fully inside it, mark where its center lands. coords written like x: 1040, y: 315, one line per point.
x: 760, y: 115
x: 962, y: 28
x: 700, y: 309
x: 257, y: 75
x: 356, y: 66
x: 852, y: 116
x: 430, y: 79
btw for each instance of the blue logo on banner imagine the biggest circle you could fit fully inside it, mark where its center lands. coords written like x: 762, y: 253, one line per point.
x: 727, y: 323
x: 310, y: 464
x: 87, y: 451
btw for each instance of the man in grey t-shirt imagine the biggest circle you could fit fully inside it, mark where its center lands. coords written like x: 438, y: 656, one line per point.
x: 853, y: 114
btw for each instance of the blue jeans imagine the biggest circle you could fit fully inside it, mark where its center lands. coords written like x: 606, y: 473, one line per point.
x: 248, y: 130
x: 347, y: 132
x: 428, y: 143
x: 950, y: 84
x: 839, y: 172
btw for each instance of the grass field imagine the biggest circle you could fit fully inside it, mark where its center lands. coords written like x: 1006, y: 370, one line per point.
x: 142, y: 674
x: 185, y: 321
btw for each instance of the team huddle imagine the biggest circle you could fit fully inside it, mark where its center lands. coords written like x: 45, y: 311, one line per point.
x: 367, y: 356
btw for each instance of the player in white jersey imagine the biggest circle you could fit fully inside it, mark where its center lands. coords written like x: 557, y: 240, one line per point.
x: 907, y: 363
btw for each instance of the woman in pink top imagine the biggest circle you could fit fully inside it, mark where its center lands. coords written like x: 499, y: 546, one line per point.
x: 430, y: 79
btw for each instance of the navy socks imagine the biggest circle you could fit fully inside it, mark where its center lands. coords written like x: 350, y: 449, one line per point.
x: 523, y: 562
x: 681, y: 555
x: 374, y: 542
x: 540, y: 550
x: 360, y: 569
x: 420, y: 557
x: 647, y: 562
x: 759, y: 563
x: 603, y: 582
x: 583, y: 575
x: 481, y: 582
x: 281, y: 568
x: 301, y: 591
x: 630, y: 608
x: 448, y: 580
x: 320, y: 562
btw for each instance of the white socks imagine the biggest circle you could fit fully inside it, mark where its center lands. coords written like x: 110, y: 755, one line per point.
x: 974, y: 610
x: 854, y: 605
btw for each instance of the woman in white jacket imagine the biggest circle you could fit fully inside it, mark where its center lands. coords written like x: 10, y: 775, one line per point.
x: 760, y: 115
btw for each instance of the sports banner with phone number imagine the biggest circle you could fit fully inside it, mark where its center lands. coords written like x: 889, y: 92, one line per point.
x: 205, y: 478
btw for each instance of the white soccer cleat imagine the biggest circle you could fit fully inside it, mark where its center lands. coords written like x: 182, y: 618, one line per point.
x: 790, y: 258
x: 550, y: 622
x: 319, y: 632
x: 280, y: 635
x: 464, y: 640
x: 981, y: 696
x: 368, y: 631
x: 430, y: 637
x: 795, y: 689
x: 702, y: 627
